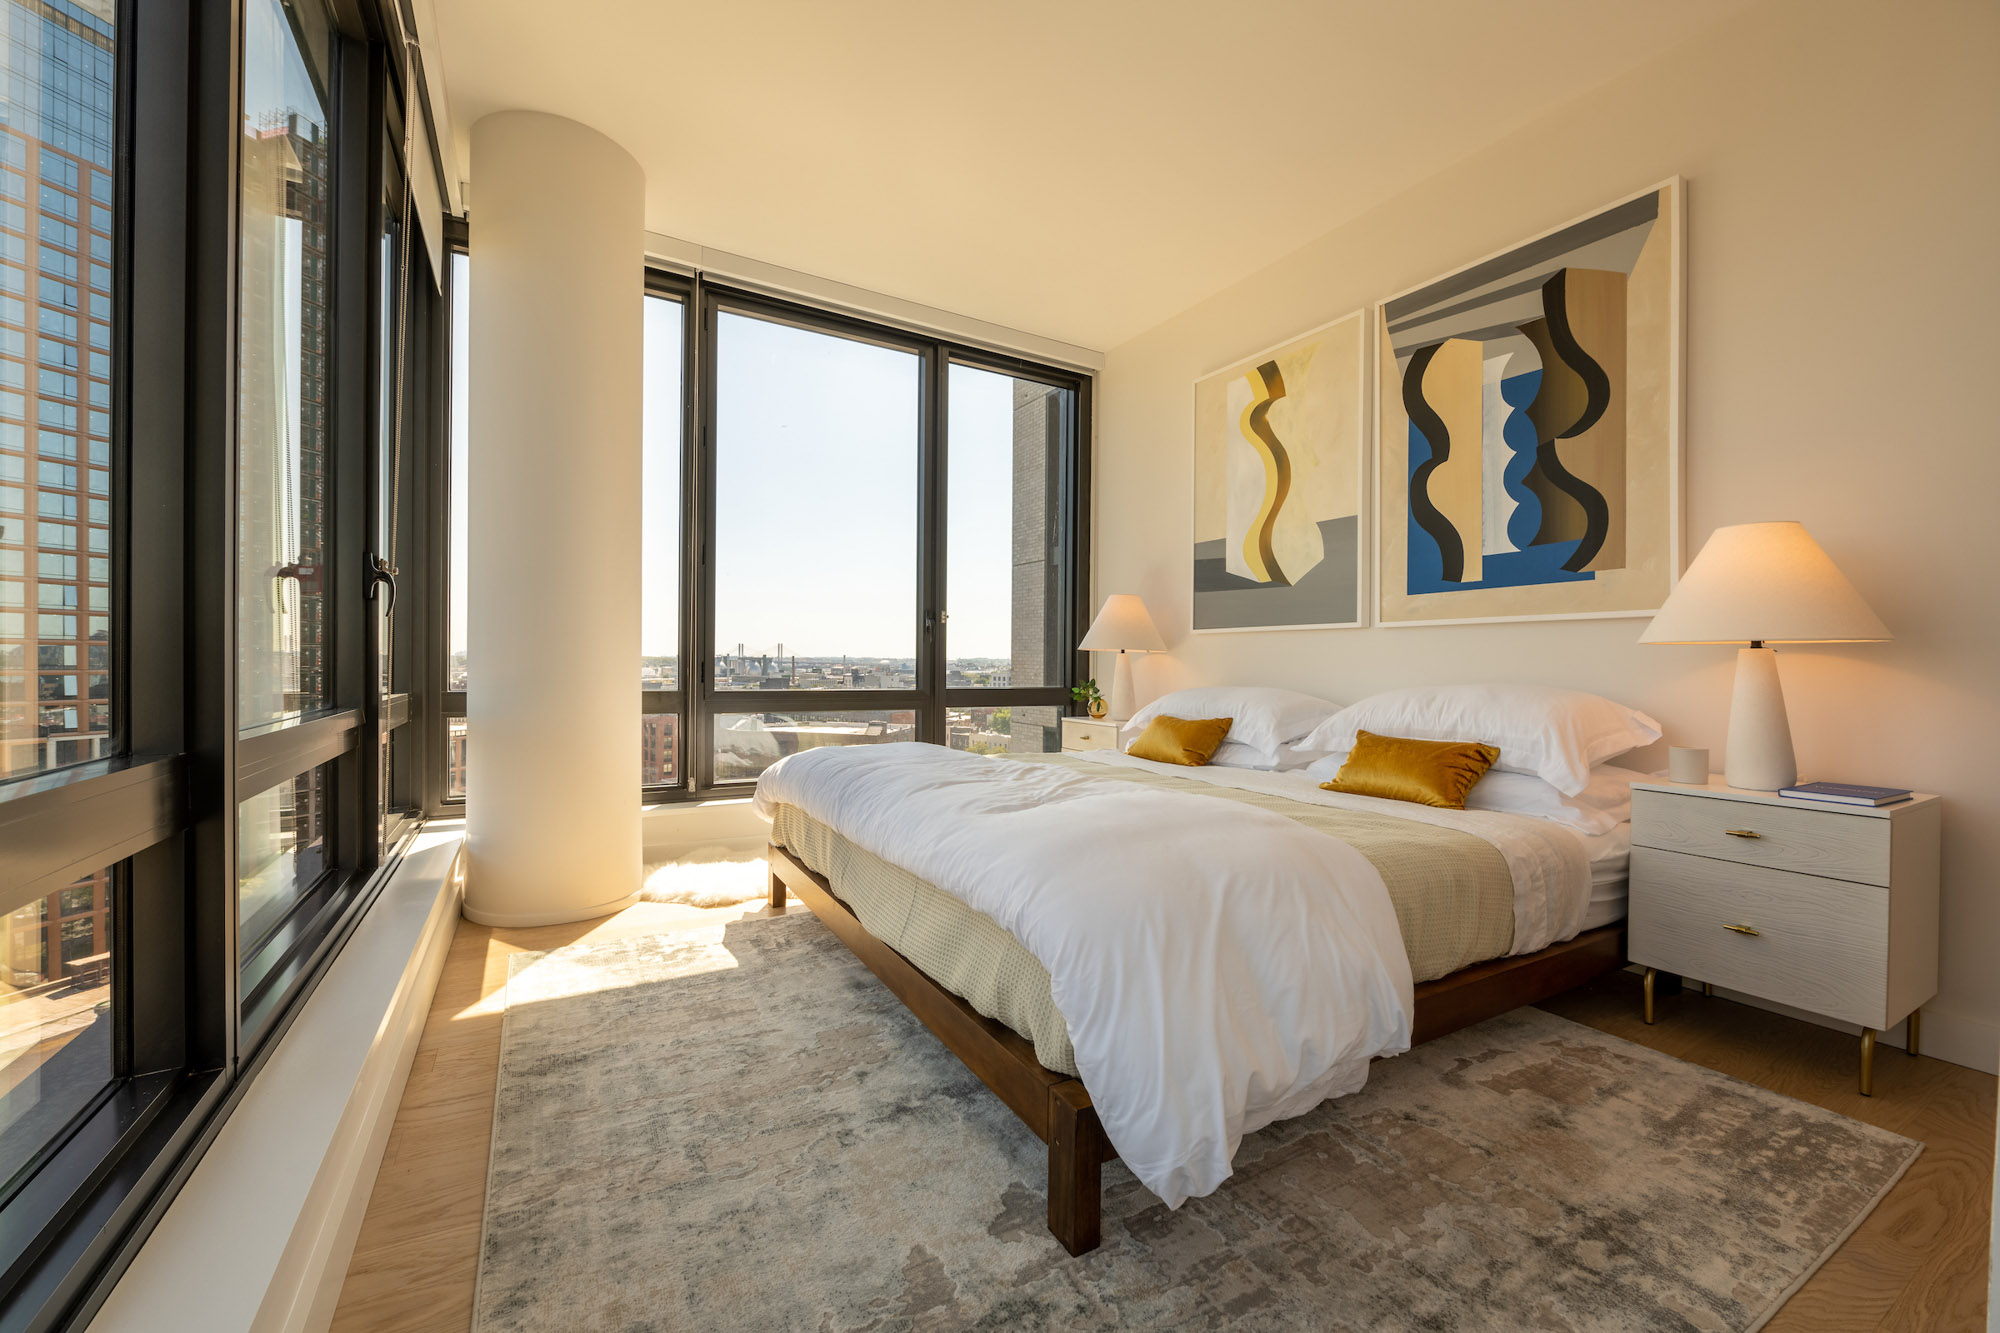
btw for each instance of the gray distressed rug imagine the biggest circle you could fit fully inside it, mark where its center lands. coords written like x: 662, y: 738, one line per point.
x: 741, y: 1128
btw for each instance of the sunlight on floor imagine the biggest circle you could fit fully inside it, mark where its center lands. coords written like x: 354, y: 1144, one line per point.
x: 643, y: 918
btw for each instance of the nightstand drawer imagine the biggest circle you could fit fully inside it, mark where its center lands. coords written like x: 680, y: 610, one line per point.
x: 1819, y: 944
x: 1089, y: 733
x: 1814, y: 842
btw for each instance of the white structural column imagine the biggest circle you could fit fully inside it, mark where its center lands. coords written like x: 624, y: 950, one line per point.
x: 552, y: 628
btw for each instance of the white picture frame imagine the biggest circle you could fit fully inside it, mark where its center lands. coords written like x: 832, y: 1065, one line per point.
x: 1674, y: 189
x: 1364, y: 544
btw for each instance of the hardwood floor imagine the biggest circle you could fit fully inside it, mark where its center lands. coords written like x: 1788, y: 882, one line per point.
x: 1918, y: 1262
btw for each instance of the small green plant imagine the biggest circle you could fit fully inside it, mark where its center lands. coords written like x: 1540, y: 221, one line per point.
x: 1086, y: 694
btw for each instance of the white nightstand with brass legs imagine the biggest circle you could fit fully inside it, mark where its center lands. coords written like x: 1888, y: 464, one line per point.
x: 1832, y: 909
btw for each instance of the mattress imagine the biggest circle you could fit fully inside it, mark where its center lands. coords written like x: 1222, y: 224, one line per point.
x: 1452, y: 893
x: 1610, y: 863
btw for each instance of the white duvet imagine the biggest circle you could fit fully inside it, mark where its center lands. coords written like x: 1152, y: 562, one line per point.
x: 1219, y: 966
x: 1549, y: 864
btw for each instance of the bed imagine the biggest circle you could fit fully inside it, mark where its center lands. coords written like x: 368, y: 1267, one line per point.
x: 1470, y: 893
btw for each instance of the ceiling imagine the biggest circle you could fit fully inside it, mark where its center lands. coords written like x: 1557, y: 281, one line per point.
x: 1080, y: 170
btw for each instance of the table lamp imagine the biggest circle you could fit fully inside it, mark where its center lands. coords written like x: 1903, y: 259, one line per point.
x: 1123, y: 627
x: 1759, y: 584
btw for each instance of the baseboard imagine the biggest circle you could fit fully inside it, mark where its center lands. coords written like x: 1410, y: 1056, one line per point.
x: 520, y: 920
x: 1959, y: 1038
x: 260, y: 1237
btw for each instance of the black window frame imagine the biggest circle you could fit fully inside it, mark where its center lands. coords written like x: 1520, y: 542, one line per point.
x: 695, y: 702
x: 437, y: 799
x: 162, y: 812
x: 679, y: 701
x: 1073, y: 504
x: 930, y: 700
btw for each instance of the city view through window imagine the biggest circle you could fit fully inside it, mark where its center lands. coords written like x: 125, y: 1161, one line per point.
x: 56, y: 245
x: 812, y: 429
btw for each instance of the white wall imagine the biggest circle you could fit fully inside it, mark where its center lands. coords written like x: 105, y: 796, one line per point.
x: 1843, y: 314
x: 699, y: 829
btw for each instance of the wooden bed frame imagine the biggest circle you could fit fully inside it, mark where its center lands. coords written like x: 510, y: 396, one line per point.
x: 1058, y: 1107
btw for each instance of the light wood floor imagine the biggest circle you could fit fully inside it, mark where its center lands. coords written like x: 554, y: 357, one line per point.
x: 1918, y: 1263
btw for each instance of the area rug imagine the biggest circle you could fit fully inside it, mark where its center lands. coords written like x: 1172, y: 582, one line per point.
x: 740, y: 1128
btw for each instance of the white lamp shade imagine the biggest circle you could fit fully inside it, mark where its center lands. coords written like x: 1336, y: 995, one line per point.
x: 1123, y: 625
x: 1767, y: 582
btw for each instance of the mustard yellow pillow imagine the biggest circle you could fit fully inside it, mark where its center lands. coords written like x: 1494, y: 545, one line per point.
x: 1179, y: 740
x: 1436, y: 773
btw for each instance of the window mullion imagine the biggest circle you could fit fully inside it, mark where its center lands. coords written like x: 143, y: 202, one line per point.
x: 932, y: 593
x: 698, y: 516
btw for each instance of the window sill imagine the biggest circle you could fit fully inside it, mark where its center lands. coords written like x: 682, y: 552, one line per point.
x: 283, y: 1188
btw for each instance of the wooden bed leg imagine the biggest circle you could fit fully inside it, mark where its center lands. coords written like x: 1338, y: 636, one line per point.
x: 777, y: 893
x: 1076, y: 1155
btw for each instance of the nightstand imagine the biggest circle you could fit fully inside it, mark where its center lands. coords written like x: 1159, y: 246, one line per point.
x: 1089, y: 733
x: 1828, y: 908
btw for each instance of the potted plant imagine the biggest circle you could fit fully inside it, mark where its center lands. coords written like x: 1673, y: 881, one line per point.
x: 1087, y: 695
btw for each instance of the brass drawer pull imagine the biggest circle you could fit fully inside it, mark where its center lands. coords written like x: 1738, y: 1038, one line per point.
x: 1742, y: 833
x: 1741, y: 930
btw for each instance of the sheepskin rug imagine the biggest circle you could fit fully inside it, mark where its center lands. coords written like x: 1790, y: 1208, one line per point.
x: 707, y: 881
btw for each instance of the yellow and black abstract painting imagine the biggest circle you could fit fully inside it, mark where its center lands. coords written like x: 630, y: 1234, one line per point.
x: 1279, y: 451
x: 1528, y: 426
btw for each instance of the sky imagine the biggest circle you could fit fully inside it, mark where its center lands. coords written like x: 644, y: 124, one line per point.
x: 275, y: 80
x: 817, y: 445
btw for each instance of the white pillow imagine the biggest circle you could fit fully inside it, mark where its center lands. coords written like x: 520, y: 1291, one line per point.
x: 1557, y: 735
x: 1604, y: 804
x: 1263, y: 719
x: 1235, y: 754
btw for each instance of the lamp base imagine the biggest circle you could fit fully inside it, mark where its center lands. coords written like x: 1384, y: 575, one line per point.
x: 1760, y: 737
x: 1124, y: 699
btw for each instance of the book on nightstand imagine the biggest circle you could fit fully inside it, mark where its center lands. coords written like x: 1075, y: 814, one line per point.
x: 1846, y: 793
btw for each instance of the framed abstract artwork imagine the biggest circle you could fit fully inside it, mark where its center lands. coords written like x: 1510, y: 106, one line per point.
x: 1280, y: 461
x: 1528, y: 426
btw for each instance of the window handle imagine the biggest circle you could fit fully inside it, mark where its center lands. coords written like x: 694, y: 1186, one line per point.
x: 380, y: 571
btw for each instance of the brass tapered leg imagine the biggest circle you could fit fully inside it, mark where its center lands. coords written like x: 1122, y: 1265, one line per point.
x: 1868, y: 1062
x: 1650, y: 974
x: 1915, y: 1032
x: 1708, y: 988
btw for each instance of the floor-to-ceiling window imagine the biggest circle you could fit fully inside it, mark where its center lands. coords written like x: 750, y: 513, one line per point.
x: 65, y: 656
x: 1009, y: 632
x: 58, y: 234
x: 214, y: 336
x: 816, y: 455
x: 284, y: 447
x: 853, y: 534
